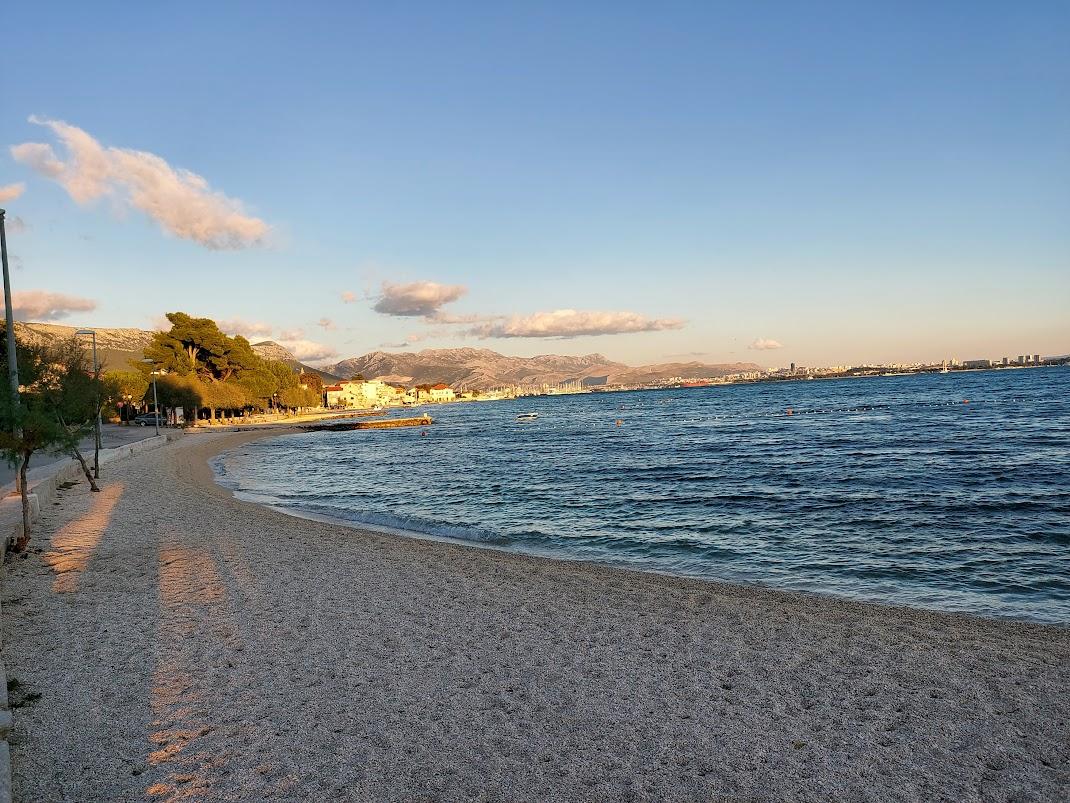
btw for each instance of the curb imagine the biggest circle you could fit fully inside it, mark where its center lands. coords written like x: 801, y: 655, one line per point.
x: 43, y: 484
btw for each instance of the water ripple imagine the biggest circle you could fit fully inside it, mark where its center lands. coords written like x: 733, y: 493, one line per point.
x: 890, y: 489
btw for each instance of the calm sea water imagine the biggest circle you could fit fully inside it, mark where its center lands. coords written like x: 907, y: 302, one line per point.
x: 892, y: 489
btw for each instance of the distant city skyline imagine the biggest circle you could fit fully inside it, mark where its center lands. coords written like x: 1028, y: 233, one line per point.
x: 819, y: 186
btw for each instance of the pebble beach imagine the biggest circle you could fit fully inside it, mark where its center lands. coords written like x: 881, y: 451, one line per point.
x: 165, y: 641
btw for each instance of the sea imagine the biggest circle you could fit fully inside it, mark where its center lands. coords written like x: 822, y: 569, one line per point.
x: 941, y: 491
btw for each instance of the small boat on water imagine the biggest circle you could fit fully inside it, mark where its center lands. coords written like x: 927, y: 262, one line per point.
x: 527, y: 416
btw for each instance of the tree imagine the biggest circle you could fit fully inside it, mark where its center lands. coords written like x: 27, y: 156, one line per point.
x: 192, y: 345
x: 126, y: 387
x: 297, y: 397
x: 236, y: 356
x: 260, y: 384
x: 224, y: 396
x: 76, y: 395
x: 30, y: 423
x: 286, y: 375
x: 311, y: 381
x: 186, y: 392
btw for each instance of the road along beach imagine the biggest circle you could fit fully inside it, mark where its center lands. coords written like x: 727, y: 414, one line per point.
x: 171, y: 642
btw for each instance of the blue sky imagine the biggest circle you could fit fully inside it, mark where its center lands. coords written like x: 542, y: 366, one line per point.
x: 852, y: 181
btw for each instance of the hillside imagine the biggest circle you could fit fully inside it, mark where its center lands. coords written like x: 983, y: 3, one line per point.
x: 471, y: 368
x: 270, y: 350
x: 481, y: 369
x: 116, y: 348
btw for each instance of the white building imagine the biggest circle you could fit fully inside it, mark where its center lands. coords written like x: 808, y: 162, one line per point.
x: 361, y: 394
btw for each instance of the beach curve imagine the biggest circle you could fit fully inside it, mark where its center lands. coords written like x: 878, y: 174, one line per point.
x: 204, y: 647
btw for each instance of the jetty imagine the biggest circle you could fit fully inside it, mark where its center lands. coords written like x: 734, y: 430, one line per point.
x: 381, y: 423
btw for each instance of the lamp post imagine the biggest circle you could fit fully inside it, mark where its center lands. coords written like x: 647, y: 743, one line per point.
x: 155, y: 399
x: 12, y: 361
x: 155, y: 402
x: 96, y: 381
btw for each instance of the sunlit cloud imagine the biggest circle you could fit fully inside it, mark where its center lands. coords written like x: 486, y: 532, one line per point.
x: 10, y: 192
x: 765, y: 344
x: 181, y: 202
x: 292, y: 334
x: 348, y: 297
x: 327, y: 324
x: 308, y: 350
x: 567, y: 323
x: 447, y: 318
x: 416, y: 299
x: 247, y: 329
x: 41, y: 305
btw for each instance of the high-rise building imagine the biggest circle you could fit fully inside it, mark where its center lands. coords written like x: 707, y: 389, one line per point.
x: 1036, y: 359
x: 1021, y: 359
x: 1006, y: 360
x: 793, y: 368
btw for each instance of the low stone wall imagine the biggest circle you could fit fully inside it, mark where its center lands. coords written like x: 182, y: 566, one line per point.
x: 43, y: 484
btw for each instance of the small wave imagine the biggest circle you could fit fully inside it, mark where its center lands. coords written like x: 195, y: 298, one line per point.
x: 406, y: 524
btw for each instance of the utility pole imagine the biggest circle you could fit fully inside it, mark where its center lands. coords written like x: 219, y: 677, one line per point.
x: 12, y: 361
x: 155, y: 398
x: 155, y: 402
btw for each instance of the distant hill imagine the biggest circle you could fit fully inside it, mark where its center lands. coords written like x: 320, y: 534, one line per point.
x: 116, y: 348
x: 481, y: 369
x: 471, y: 368
x: 270, y: 350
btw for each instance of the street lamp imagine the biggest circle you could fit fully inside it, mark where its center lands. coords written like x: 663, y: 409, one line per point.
x: 96, y: 381
x: 155, y: 400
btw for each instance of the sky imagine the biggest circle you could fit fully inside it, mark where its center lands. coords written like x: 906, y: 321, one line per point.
x: 818, y: 183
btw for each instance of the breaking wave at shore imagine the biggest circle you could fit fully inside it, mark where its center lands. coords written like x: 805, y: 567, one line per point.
x: 944, y: 491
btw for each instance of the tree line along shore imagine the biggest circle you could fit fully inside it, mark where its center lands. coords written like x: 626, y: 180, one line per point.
x: 59, y: 391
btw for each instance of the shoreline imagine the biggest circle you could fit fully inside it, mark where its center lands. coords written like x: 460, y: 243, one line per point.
x: 417, y: 535
x: 245, y: 654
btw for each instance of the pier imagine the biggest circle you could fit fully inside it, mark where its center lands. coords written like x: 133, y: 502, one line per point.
x: 382, y: 423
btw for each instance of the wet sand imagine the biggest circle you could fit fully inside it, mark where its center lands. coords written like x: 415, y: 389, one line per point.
x: 189, y: 646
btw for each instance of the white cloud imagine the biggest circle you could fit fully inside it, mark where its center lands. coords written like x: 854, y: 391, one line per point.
x: 348, y: 297
x: 181, y: 202
x: 765, y: 344
x: 10, y: 192
x: 41, y: 305
x: 16, y: 225
x: 308, y: 351
x: 327, y: 324
x: 416, y: 299
x: 247, y: 329
x: 565, y: 323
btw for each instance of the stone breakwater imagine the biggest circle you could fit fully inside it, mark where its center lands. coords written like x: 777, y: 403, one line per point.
x: 242, y: 654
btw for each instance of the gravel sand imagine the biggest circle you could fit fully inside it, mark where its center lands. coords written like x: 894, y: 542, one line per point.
x: 172, y: 643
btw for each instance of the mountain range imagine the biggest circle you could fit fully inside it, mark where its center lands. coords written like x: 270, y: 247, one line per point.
x: 481, y: 369
x: 468, y: 368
